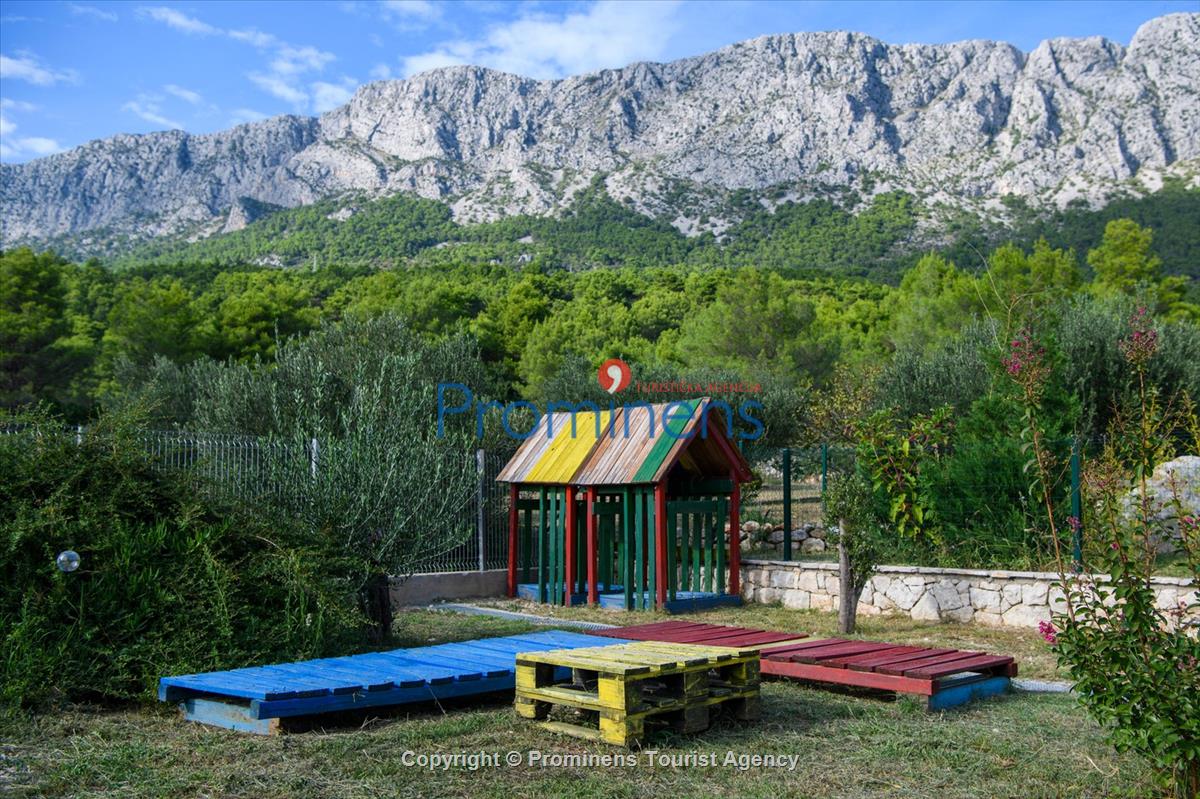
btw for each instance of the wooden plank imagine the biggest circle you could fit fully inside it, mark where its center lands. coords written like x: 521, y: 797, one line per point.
x: 870, y: 658
x: 859, y: 679
x: 936, y: 660
x: 217, y: 713
x: 819, y: 653
x: 674, y: 418
x: 884, y: 659
x: 981, y: 663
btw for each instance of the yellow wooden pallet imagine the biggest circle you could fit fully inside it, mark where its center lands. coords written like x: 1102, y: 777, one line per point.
x: 626, y: 685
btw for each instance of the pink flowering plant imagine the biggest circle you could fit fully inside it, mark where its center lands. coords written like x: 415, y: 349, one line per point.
x: 1134, y: 664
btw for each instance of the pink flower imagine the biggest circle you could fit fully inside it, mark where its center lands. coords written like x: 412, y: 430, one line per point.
x: 1076, y: 525
x: 1142, y: 342
x: 1048, y: 632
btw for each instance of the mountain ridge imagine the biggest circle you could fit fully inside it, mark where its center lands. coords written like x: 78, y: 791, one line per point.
x: 791, y: 116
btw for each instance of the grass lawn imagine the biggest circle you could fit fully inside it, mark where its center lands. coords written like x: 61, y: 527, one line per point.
x: 1022, y: 745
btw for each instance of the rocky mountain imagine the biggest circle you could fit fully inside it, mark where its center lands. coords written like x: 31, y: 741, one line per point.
x: 789, y: 116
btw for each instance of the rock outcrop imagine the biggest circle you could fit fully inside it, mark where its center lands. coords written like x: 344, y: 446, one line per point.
x: 961, y: 123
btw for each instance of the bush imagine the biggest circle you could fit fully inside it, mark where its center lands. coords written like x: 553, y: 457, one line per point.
x: 168, y: 582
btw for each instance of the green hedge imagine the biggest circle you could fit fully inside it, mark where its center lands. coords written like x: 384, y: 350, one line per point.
x: 168, y: 582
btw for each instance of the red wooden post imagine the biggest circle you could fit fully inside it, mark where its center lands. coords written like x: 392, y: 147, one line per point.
x: 593, y: 589
x: 660, y: 542
x: 735, y: 538
x: 513, y: 493
x: 569, y: 571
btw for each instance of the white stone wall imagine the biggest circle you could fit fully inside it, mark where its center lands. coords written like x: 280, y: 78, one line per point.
x: 1016, y: 599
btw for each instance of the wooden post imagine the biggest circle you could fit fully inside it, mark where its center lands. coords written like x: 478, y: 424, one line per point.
x: 660, y: 542
x: 735, y: 538
x: 569, y: 530
x: 513, y: 494
x: 593, y: 591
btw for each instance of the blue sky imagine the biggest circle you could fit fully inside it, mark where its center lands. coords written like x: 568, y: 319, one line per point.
x: 75, y: 71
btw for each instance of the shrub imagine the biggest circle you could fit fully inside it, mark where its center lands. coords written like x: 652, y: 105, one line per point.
x: 168, y: 582
x: 1136, y: 666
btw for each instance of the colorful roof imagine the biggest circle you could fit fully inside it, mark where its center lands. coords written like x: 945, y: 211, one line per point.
x: 632, y: 446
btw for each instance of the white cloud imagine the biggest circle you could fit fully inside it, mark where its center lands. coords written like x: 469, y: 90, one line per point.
x: 412, y: 9
x: 30, y: 146
x: 381, y: 72
x: 295, y: 60
x: 327, y: 96
x: 254, y: 37
x: 92, y: 11
x: 435, y: 60
x: 607, y: 34
x: 27, y: 68
x: 178, y: 20
x: 187, y: 95
x: 16, y: 105
x: 282, y: 76
x: 243, y: 115
x: 147, y: 108
x: 273, y: 84
x: 26, y: 146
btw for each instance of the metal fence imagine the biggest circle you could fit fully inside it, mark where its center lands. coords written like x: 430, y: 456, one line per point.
x: 984, y: 492
x: 245, y: 468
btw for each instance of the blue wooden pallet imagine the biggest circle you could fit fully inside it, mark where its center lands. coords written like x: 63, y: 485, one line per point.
x: 684, y: 601
x: 254, y: 699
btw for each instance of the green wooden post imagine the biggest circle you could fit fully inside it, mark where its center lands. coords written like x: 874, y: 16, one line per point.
x: 651, y: 547
x: 527, y: 546
x: 628, y: 562
x: 1076, y: 506
x: 552, y: 545
x: 639, y: 549
x: 787, y: 503
x: 543, y: 554
x: 719, y: 534
x: 697, y: 550
x: 708, y: 552
x: 672, y: 555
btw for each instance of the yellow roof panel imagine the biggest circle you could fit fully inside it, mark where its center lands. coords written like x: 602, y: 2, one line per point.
x: 568, y: 448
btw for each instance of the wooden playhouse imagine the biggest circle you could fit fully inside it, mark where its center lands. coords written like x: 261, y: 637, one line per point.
x: 627, y: 507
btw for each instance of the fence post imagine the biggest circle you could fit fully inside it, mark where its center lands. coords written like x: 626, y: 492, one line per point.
x: 480, y: 498
x: 78, y: 435
x: 313, y: 455
x: 787, y: 503
x: 1076, y: 507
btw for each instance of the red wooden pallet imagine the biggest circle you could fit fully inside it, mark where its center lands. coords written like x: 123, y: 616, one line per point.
x: 946, y: 676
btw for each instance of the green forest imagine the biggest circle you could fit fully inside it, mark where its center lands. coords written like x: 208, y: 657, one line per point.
x: 858, y: 348
x: 785, y: 300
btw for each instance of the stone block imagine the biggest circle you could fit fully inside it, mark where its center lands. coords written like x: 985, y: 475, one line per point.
x: 783, y: 578
x: 807, y: 581
x: 988, y: 618
x: 947, y: 595
x: 1026, y: 615
x: 926, y: 608
x: 795, y: 600
x: 903, y: 595
x: 1034, y: 593
x: 984, y: 599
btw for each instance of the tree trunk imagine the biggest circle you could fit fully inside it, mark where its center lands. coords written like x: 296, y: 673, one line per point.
x: 377, y: 605
x: 847, y: 591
